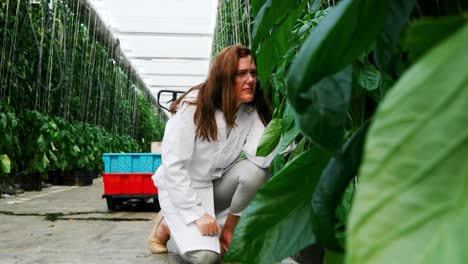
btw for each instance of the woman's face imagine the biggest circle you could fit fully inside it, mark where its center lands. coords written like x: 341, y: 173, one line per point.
x: 246, y: 80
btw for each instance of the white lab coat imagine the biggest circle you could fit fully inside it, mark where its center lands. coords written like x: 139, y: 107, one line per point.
x: 189, y: 165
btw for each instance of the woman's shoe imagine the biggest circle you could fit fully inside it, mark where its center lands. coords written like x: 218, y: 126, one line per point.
x: 156, y: 245
x: 226, y: 234
x: 223, y: 248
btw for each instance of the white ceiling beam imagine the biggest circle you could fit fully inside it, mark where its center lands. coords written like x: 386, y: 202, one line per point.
x: 169, y: 58
x: 152, y: 86
x: 172, y: 74
x: 168, y: 42
x: 164, y: 34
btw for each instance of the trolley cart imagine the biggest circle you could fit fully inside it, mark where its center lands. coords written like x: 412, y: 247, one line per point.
x: 128, y: 176
x: 119, y: 187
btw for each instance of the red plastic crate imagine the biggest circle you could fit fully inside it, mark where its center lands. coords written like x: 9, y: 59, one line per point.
x: 128, y: 183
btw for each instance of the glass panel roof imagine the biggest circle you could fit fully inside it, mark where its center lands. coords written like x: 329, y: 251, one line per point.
x: 168, y: 42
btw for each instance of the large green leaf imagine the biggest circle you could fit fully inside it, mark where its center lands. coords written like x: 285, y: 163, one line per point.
x: 288, y: 118
x: 41, y: 143
x: 256, y: 5
x: 274, y: 47
x: 338, y: 39
x: 8, y: 141
x: 290, y: 130
x: 270, y: 15
x: 329, y: 192
x: 43, y: 163
x: 277, y: 164
x: 397, y: 19
x: 3, y: 121
x: 323, y: 120
x: 270, y: 138
x: 288, y: 137
x: 342, y: 211
x: 367, y: 76
x: 315, y: 4
x: 277, y: 222
x: 425, y: 33
x: 412, y: 201
x: 300, y: 147
x: 332, y: 257
x: 5, y: 163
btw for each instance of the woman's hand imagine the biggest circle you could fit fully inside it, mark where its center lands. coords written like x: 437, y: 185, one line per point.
x: 207, y: 225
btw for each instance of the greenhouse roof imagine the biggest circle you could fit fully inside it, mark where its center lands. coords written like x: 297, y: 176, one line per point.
x: 168, y: 42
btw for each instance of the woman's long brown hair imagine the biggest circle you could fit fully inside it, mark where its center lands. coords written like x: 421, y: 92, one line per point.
x: 218, y: 92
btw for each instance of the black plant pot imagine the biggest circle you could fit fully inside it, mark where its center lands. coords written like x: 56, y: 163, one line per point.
x: 77, y: 177
x: 31, y: 182
x: 96, y: 173
x: 92, y: 174
x: 55, y: 177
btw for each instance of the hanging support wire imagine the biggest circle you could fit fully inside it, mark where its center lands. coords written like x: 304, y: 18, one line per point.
x: 66, y: 43
x: 84, y: 29
x: 37, y: 104
x: 249, y: 23
x: 233, y: 25
x: 92, y: 60
x: 235, y: 13
x: 51, y: 59
x: 5, y: 87
x: 242, y: 23
x: 12, y: 53
x: 2, y: 55
x: 74, y: 44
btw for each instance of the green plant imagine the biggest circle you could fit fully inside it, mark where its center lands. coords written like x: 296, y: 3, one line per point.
x: 45, y: 50
x: 65, y: 148
x: 5, y: 165
x: 327, y: 78
x: 66, y: 121
x: 8, y: 145
x: 35, y: 140
x: 411, y: 197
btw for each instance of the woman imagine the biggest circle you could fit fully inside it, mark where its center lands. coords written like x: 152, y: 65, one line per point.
x: 201, y: 172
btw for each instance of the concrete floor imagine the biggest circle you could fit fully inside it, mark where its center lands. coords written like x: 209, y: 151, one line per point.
x: 68, y: 224
x: 71, y: 224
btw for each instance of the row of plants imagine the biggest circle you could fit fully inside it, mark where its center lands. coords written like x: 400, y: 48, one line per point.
x: 33, y: 144
x: 232, y: 26
x: 53, y: 60
x: 373, y: 95
x: 65, y: 97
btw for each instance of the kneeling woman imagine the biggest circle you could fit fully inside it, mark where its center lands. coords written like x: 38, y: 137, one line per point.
x: 202, y: 173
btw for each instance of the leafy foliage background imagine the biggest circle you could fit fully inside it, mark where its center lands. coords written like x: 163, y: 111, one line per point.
x: 329, y: 66
x: 65, y: 98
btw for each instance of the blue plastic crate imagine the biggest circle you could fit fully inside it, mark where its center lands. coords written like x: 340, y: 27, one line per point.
x: 131, y: 162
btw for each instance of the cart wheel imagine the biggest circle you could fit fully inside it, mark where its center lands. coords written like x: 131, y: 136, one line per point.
x: 112, y: 203
x: 156, y: 205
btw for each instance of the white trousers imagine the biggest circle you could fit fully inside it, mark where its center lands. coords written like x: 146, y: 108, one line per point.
x: 232, y: 192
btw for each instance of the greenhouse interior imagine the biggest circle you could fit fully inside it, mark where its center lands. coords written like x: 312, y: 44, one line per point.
x: 367, y: 128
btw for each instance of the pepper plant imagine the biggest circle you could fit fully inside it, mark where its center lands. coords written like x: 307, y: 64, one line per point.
x: 8, y: 144
x: 46, y: 50
x: 330, y: 66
